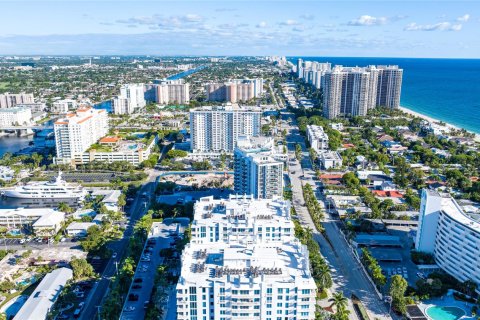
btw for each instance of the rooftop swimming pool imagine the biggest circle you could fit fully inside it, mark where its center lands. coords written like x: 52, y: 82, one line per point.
x: 444, y: 313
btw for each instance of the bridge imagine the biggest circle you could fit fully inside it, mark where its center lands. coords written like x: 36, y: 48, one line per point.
x: 32, y: 127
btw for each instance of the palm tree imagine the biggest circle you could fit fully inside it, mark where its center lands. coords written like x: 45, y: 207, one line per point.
x: 339, y: 301
x: 323, y: 276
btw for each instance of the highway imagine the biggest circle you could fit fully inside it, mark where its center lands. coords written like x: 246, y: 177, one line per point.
x: 346, y: 272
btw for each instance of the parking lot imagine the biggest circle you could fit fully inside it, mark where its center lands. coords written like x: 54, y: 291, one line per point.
x: 161, y: 236
x: 32, y: 242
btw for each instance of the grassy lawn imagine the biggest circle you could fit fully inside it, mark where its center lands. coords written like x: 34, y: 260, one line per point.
x: 4, y: 85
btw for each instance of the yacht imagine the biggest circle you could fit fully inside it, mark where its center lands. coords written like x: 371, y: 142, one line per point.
x: 55, y: 189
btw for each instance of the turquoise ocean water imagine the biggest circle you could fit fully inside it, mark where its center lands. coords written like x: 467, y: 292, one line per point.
x: 444, y: 89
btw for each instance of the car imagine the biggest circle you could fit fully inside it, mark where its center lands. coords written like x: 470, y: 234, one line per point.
x: 63, y: 316
x: 138, y: 280
x: 80, y: 294
x: 145, y: 304
x: 114, y: 255
x: 137, y: 286
x: 22, y: 241
x: 420, y: 275
x: 63, y: 240
x: 133, y: 297
x: 129, y: 309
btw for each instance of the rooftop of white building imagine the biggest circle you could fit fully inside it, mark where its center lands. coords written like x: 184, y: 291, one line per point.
x: 81, y: 115
x: 317, y: 132
x: 41, y: 300
x: 237, y: 264
x: 456, y: 212
x: 227, y: 107
x: 37, y: 212
x: 50, y: 219
x: 243, y: 210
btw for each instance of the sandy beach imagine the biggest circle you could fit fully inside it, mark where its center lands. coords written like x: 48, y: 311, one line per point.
x: 430, y: 119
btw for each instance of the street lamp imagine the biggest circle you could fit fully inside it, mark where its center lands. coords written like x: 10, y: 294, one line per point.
x: 389, y: 299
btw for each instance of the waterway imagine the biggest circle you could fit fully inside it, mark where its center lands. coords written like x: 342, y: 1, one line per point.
x: 185, y: 73
x: 27, y: 144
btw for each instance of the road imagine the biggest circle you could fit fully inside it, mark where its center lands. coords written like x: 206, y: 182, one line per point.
x: 138, y: 209
x: 346, y: 272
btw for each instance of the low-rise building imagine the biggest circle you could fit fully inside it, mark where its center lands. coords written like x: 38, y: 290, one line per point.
x: 317, y: 138
x: 20, y: 217
x: 330, y: 159
x: 49, y: 224
x: 40, y: 302
x: 79, y: 229
x: 16, y: 116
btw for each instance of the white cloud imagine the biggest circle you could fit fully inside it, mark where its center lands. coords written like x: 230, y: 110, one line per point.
x: 367, y: 20
x: 464, y: 18
x: 307, y: 16
x: 441, y: 26
x: 261, y: 24
x: 289, y: 22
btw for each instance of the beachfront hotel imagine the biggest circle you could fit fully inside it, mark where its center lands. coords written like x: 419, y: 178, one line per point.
x: 244, y: 262
x: 214, y: 130
x: 450, y: 234
x: 352, y: 91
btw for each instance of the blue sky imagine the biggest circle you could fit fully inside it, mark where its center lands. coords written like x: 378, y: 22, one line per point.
x: 439, y: 29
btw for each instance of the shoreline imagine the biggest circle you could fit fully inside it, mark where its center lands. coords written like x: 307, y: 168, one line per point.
x: 430, y: 119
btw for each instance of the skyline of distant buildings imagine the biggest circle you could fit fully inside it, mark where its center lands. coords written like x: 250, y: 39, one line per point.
x: 8, y: 100
x: 233, y: 91
x: 352, y: 91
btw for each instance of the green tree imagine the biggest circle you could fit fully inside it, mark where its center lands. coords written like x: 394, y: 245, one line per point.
x: 398, y: 287
x: 81, y: 268
x: 339, y: 301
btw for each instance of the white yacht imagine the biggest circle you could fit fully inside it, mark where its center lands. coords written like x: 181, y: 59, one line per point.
x: 55, y: 189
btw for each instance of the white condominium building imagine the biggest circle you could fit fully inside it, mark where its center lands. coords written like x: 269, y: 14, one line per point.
x: 234, y: 90
x: 243, y: 262
x: 8, y: 100
x: 172, y: 91
x: 216, y: 129
x: 312, y: 72
x: 450, y: 234
x: 221, y: 281
x: 242, y: 219
x: 15, y: 116
x: 131, y: 98
x: 258, y: 169
x: 75, y: 133
x: 317, y: 138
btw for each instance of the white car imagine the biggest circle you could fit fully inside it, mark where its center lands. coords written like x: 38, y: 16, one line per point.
x: 114, y: 255
x: 128, y: 309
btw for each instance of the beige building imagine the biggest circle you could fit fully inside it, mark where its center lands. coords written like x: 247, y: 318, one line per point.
x: 8, y: 100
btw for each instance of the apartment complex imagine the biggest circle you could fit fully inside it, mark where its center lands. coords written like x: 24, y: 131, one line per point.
x: 8, y: 100
x: 312, y: 72
x: 15, y: 116
x: 317, y: 138
x: 214, y: 130
x: 75, y: 133
x: 63, y: 106
x: 131, y: 98
x: 171, y: 91
x: 352, y: 91
x: 234, y: 90
x: 258, y: 169
x: 243, y: 262
x: 450, y: 234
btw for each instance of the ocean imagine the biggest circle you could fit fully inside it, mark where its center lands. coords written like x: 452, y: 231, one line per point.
x: 444, y: 89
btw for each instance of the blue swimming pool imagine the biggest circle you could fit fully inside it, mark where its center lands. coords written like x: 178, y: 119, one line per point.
x: 14, y: 232
x: 444, y: 313
x: 133, y: 147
